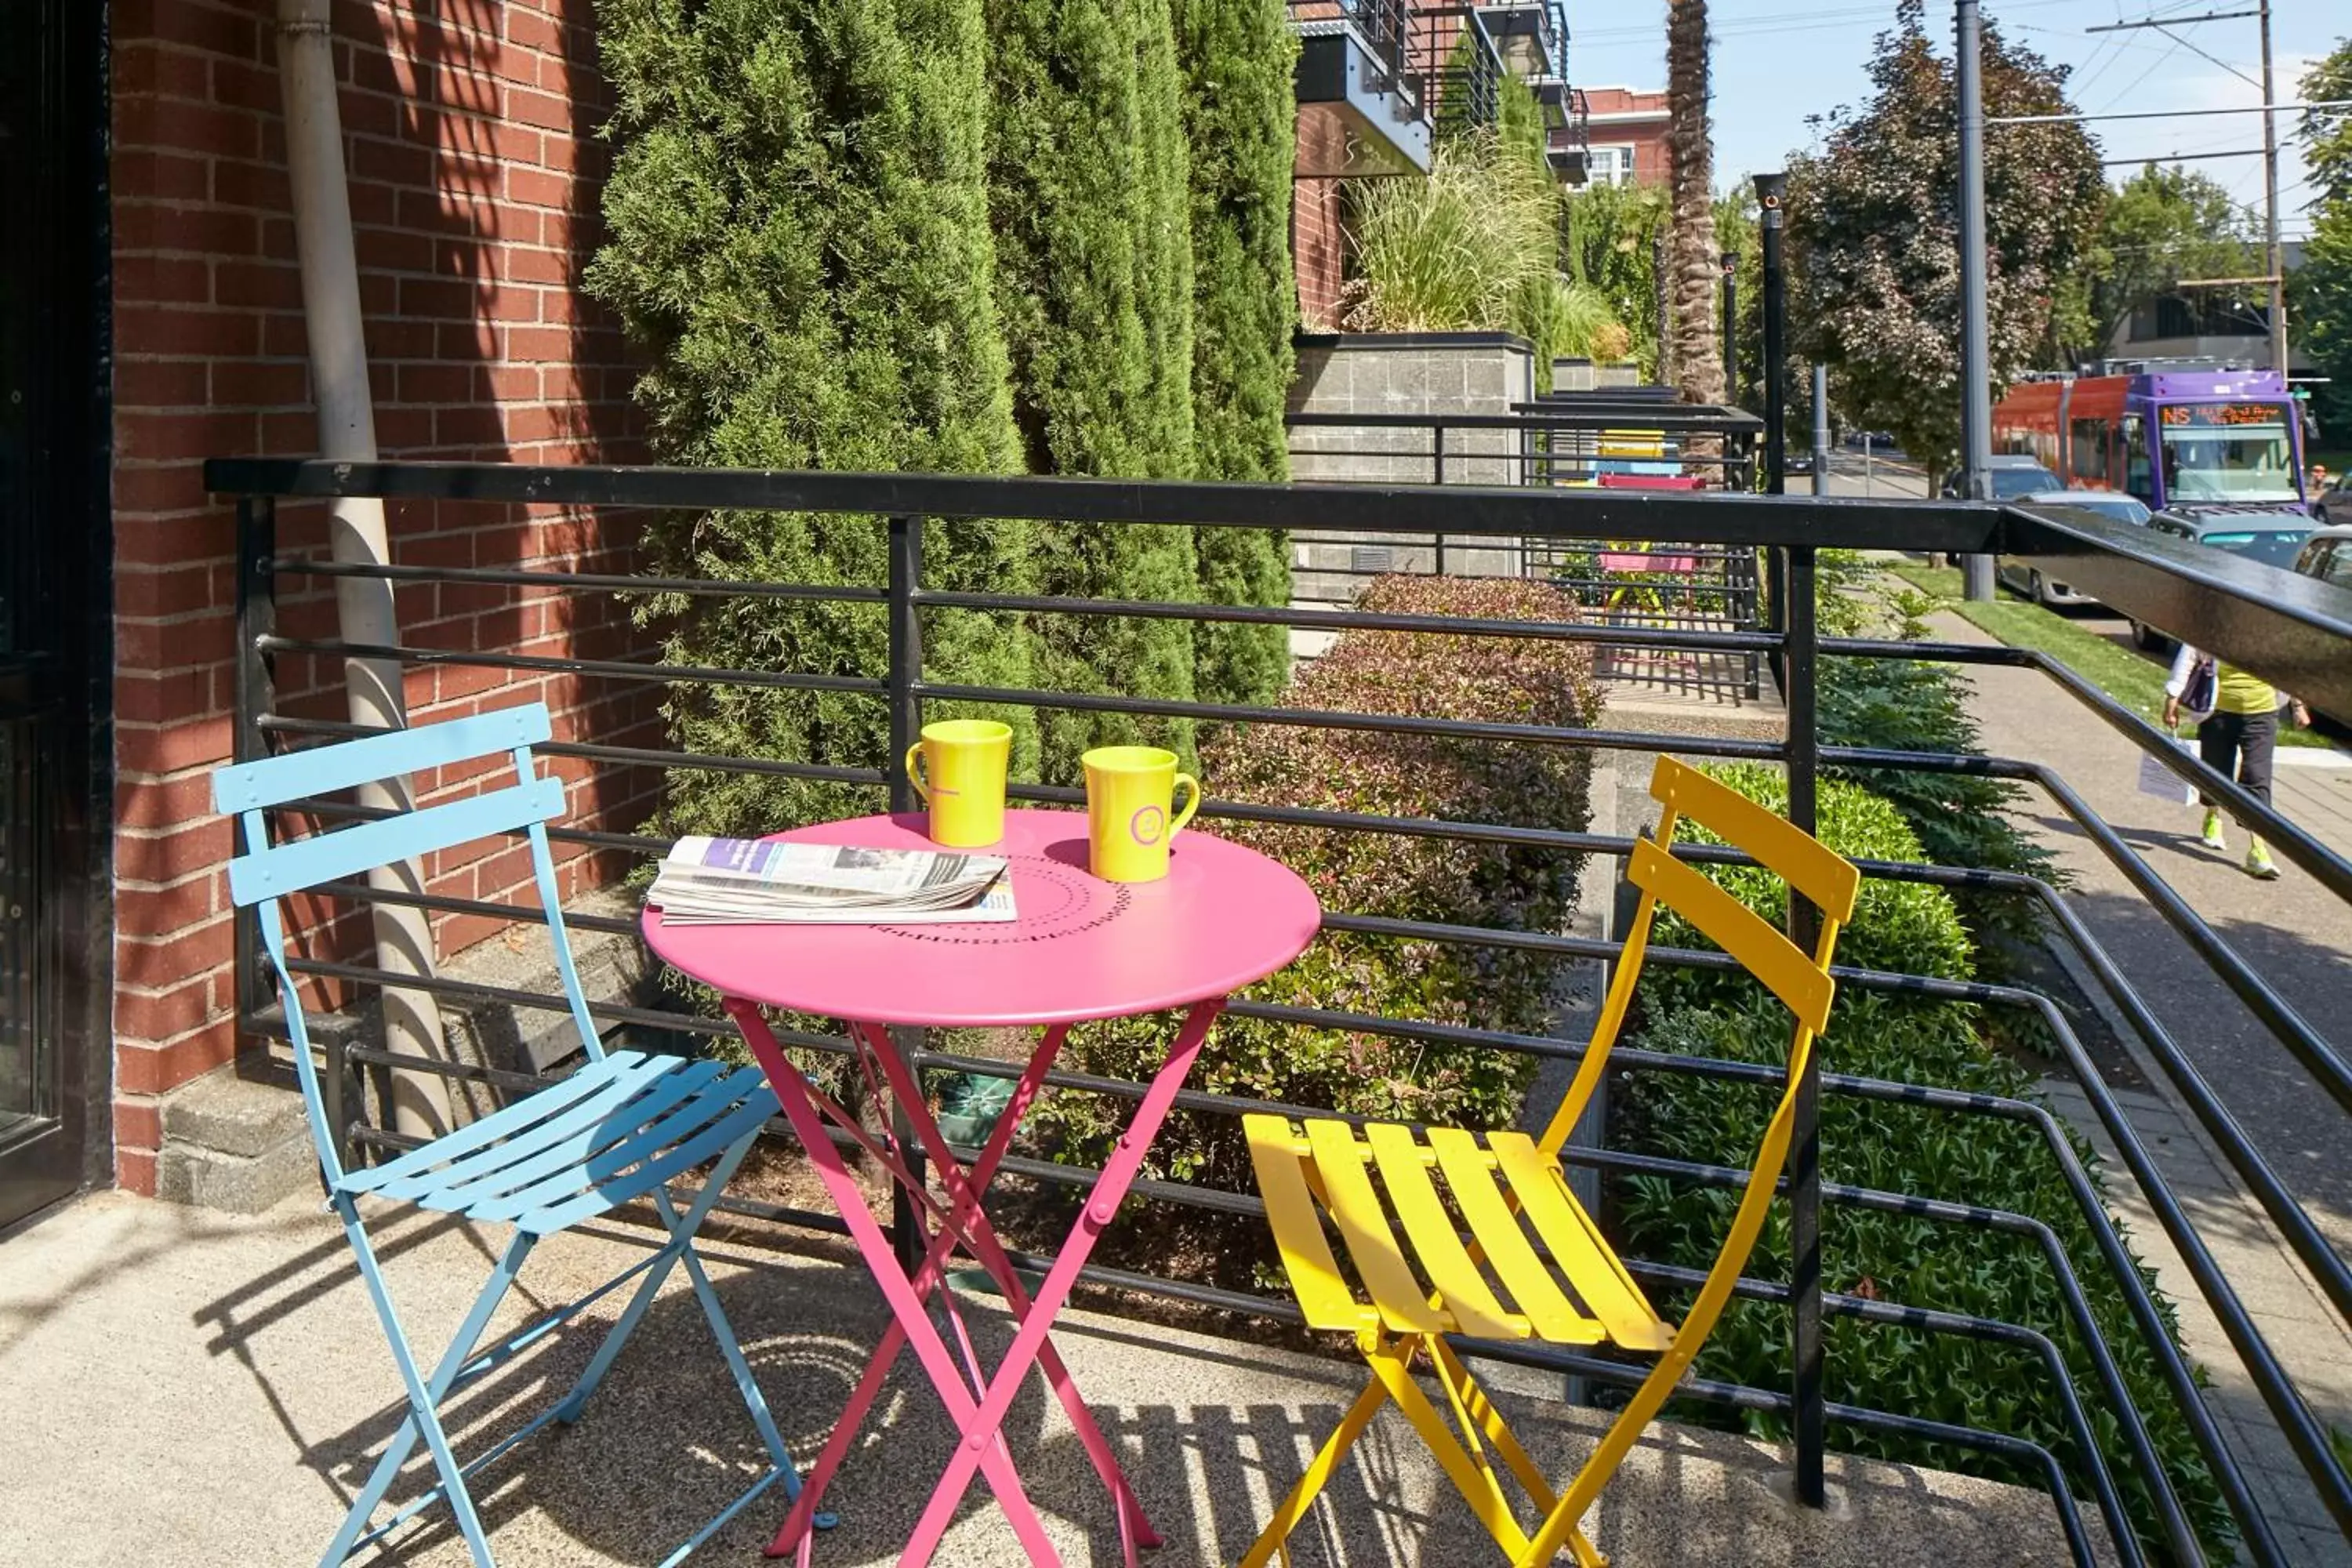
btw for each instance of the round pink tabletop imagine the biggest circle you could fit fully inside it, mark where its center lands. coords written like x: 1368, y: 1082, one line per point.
x: 1082, y: 948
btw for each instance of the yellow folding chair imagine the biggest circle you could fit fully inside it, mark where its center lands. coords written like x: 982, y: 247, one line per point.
x: 1530, y: 1241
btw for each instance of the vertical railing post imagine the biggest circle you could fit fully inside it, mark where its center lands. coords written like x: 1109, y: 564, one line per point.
x: 1803, y: 653
x: 1437, y: 472
x: 906, y: 669
x: 905, y: 674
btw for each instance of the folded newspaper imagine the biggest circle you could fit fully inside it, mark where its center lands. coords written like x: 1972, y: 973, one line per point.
x: 755, y: 881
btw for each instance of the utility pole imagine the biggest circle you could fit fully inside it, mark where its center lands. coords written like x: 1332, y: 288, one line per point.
x: 1821, y: 429
x: 1975, y: 372
x: 2272, y: 263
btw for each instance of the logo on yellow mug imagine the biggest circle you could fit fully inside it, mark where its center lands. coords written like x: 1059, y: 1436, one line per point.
x: 1131, y: 811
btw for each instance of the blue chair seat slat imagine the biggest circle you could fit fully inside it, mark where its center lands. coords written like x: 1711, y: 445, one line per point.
x: 322, y: 770
x: 329, y: 857
x: 646, y: 1138
x: 563, y: 1144
x: 417, y: 1171
x: 622, y: 1186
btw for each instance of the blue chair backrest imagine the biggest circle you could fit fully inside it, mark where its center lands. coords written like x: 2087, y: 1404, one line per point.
x: 269, y: 870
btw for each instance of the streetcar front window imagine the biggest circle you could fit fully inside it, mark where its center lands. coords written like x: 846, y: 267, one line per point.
x: 2227, y: 452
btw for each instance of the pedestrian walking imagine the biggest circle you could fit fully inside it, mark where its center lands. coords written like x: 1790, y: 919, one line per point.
x: 2237, y: 715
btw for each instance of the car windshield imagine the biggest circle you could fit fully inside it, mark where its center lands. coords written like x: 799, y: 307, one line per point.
x: 2227, y: 462
x: 2008, y: 484
x: 2123, y: 509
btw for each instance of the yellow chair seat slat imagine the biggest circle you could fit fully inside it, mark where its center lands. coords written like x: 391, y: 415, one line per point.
x: 1472, y: 1179
x: 1355, y: 1208
x: 1575, y: 1245
x: 1315, y: 1278
x: 1436, y: 1245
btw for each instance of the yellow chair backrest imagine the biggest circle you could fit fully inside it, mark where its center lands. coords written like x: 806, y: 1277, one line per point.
x: 1802, y: 982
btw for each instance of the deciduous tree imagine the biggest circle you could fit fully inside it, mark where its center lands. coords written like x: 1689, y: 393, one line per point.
x: 2320, y: 317
x: 1874, y: 232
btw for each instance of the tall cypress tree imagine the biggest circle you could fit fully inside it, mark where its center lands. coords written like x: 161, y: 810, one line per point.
x: 1240, y: 113
x: 1086, y: 189
x: 801, y: 244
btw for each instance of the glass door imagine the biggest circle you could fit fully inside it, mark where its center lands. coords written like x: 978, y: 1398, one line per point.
x: 55, y: 933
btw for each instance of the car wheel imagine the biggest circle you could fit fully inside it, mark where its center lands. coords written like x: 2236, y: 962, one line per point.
x: 2147, y: 638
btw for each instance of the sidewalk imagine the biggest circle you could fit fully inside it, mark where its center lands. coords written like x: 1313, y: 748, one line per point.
x: 2299, y: 938
x: 186, y: 1387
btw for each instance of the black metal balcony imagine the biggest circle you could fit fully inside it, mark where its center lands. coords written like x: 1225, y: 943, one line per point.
x: 1363, y: 107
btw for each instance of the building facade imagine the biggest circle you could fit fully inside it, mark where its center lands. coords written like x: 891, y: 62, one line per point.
x: 1626, y: 134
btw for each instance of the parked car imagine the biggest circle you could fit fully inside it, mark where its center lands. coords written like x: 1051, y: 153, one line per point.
x: 2327, y: 556
x: 2111, y: 504
x: 2013, y: 476
x: 2328, y: 553
x: 2335, y: 502
x: 2270, y: 534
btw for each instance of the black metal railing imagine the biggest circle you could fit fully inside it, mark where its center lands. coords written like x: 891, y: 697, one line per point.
x: 1596, y: 439
x: 1462, y: 65
x: 2293, y: 630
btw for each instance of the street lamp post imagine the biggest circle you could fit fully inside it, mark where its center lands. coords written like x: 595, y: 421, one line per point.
x: 1975, y: 372
x: 1731, y: 328
x: 1772, y: 190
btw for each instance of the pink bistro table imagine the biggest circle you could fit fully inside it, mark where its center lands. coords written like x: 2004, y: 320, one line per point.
x: 1081, y: 950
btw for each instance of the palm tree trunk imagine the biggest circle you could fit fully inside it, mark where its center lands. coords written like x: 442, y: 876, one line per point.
x: 1697, y: 358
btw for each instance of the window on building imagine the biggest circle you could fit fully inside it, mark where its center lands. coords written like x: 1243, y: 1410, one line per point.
x: 1612, y: 165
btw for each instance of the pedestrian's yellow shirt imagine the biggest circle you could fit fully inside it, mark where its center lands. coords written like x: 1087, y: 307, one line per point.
x: 2235, y: 691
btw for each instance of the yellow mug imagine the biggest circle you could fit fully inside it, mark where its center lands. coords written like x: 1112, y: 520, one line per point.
x: 958, y: 767
x: 1131, y: 811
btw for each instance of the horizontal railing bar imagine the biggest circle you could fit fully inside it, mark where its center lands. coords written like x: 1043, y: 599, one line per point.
x: 1619, y: 417
x: 1359, y: 620
x: 286, y: 724
x: 1957, y: 527
x: 614, y: 668
x: 614, y: 582
x: 1383, y: 724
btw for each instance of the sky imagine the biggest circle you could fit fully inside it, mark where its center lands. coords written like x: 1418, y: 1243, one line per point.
x: 1777, y: 63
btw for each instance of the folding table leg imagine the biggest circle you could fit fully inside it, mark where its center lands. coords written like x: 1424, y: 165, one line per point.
x: 1102, y: 1204
x: 1134, y: 1527
x: 925, y: 1280
x: 881, y: 1259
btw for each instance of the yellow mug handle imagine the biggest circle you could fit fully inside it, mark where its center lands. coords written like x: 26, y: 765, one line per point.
x: 1185, y: 782
x: 915, y: 773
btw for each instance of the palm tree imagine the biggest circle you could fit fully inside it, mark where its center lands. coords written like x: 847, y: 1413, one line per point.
x: 1692, y: 349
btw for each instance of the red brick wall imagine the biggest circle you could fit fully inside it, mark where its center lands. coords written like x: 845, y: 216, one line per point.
x: 1317, y: 241
x: 474, y: 180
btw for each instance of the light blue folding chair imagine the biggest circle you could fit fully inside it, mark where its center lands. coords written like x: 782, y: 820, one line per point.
x: 621, y: 1128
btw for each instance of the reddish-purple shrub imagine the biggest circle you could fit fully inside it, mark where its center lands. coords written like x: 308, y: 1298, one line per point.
x: 1448, y: 675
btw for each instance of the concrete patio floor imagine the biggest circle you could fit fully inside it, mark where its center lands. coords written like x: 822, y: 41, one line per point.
x: 183, y: 1387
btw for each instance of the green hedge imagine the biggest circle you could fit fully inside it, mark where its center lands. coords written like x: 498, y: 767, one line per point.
x: 800, y: 253
x: 1240, y: 110
x: 1425, y: 675
x: 1088, y: 204
x: 1896, y: 1147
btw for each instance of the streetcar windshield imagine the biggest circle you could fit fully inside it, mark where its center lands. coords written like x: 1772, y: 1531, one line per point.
x: 2227, y: 452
